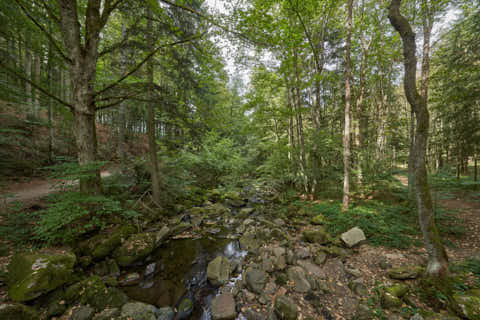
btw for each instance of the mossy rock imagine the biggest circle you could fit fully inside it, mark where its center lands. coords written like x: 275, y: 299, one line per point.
x: 285, y: 309
x: 135, y: 248
x: 389, y: 301
x: 93, y: 291
x: 317, y: 235
x: 318, y: 219
x: 101, y: 245
x: 398, y: 290
x: 17, y: 311
x: 469, y: 304
x: 405, y: 273
x: 32, y: 274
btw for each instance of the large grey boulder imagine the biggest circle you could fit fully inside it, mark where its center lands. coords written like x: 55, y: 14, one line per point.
x: 31, y: 274
x: 255, y: 280
x: 353, y: 237
x: 139, y: 311
x: 218, y: 271
x: 223, y: 307
x: 285, y: 309
x: 297, y: 276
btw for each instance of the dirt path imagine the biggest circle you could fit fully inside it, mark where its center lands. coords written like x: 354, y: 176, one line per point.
x: 27, y: 192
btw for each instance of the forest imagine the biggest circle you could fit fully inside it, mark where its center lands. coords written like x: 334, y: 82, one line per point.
x: 247, y: 159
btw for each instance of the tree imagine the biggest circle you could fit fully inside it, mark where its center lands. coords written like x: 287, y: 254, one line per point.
x: 437, y: 256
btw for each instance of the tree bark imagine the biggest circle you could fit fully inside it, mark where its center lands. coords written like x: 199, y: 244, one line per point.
x: 348, y: 98
x: 82, y: 69
x: 122, y: 109
x: 437, y: 257
x: 152, y: 143
x: 28, y: 71
x: 36, y: 110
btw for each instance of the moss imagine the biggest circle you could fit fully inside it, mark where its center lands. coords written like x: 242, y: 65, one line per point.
x: 468, y: 304
x: 17, y: 311
x: 103, y: 244
x: 318, y: 219
x: 33, y: 274
x: 398, y: 290
x: 135, y: 248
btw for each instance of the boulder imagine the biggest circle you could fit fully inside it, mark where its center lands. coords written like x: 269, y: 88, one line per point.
x: 139, y: 311
x: 398, y: 290
x: 17, y: 311
x: 353, y: 237
x: 31, y: 274
x: 101, y: 245
x: 249, y: 242
x: 255, y: 280
x: 92, y: 291
x: 469, y: 304
x: 165, y: 313
x: 135, y: 248
x: 223, y: 307
x: 404, y: 273
x: 218, y: 271
x: 389, y: 301
x: 316, y: 235
x: 82, y: 313
x: 108, y: 314
x: 311, y: 268
x: 245, y: 212
x: 285, y: 309
x: 300, y: 282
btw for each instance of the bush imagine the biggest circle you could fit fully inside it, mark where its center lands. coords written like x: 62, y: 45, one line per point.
x: 73, y: 214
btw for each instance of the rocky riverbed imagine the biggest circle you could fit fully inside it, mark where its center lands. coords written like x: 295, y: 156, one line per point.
x: 231, y: 258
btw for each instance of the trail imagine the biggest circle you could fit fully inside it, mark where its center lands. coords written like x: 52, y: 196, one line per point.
x: 28, y: 192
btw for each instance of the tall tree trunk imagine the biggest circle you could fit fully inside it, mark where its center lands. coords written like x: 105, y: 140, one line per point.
x: 122, y: 109
x: 28, y: 71
x: 437, y: 256
x: 82, y: 68
x: 152, y: 143
x: 348, y: 98
x: 36, y: 110
x: 411, y: 160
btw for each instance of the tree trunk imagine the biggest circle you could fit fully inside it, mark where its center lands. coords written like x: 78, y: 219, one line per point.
x: 82, y: 68
x: 28, y: 71
x: 348, y: 97
x: 411, y: 160
x: 437, y: 256
x: 122, y: 109
x: 36, y: 110
x: 152, y: 143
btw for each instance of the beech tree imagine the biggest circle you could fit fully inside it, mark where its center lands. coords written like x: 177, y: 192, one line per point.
x: 437, y: 257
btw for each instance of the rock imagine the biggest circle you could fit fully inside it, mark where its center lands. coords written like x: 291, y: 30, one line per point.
x: 245, y: 212
x: 320, y: 257
x: 108, y: 314
x: 107, y: 267
x: 363, y: 312
x: 252, y: 315
x: 139, y: 311
x: 185, y: 309
x: 416, y: 316
x: 92, y: 291
x: 130, y: 279
x: 223, y: 307
x: 353, y: 272
x: 389, y: 301
x: 162, y: 235
x: 285, y: 308
x: 135, y: 248
x: 56, y: 308
x: 82, y: 313
x: 297, y: 276
x: 218, y: 271
x: 267, y: 264
x: 32, y: 274
x: 165, y: 313
x: 279, y: 222
x: 302, y: 253
x: 404, y: 273
x: 353, y: 237
x: 255, y: 280
x: 384, y: 264
x: 249, y: 242
x: 469, y: 304
x: 398, y: 290
x: 17, y: 311
x: 317, y: 235
x: 101, y: 245
x: 312, y: 269
x: 318, y: 219
x: 395, y: 316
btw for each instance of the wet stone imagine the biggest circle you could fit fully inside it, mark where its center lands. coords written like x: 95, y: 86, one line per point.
x: 255, y: 280
x: 223, y: 307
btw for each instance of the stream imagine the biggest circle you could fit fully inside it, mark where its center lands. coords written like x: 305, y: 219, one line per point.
x: 178, y: 270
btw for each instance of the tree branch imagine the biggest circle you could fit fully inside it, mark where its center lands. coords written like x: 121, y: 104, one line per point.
x: 35, y: 85
x: 151, y: 54
x: 47, y: 34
